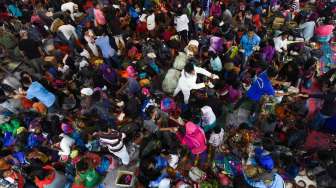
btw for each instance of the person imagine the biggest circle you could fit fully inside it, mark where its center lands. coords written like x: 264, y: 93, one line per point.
x: 208, y: 121
x: 49, y: 177
x: 37, y: 91
x: 216, y: 137
x: 249, y: 43
x: 198, y: 18
x: 32, y: 50
x: 109, y: 53
x: 182, y: 25
x: 156, y: 120
x: 307, y: 30
x: 113, y: 140
x: 280, y: 43
x: 215, y: 62
x: 193, y: 137
x: 260, y: 87
x: 71, y: 7
x: 187, y: 81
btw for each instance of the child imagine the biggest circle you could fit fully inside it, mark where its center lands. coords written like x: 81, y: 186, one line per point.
x: 216, y: 137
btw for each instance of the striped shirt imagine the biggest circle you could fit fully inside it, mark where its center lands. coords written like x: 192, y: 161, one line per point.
x: 113, y: 140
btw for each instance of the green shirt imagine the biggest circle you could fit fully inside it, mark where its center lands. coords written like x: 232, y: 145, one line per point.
x: 90, y: 178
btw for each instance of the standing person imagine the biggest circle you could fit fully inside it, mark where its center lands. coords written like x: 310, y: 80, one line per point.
x: 32, y: 50
x: 150, y: 20
x: 198, y: 18
x: 260, y: 87
x: 113, y: 140
x: 249, y: 42
x: 68, y: 34
x: 109, y: 53
x: 187, y: 81
x: 182, y: 25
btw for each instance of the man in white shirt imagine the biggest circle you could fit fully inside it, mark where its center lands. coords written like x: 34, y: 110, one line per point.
x: 68, y: 31
x: 182, y: 26
x: 69, y: 34
x: 71, y: 7
x: 187, y: 81
x: 280, y: 43
x: 151, y: 22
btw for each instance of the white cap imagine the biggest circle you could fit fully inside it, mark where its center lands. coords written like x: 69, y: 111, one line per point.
x: 193, y: 42
x: 87, y: 91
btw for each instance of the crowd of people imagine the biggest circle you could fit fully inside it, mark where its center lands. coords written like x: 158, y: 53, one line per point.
x: 168, y: 93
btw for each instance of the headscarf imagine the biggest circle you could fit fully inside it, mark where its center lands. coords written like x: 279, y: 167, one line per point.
x: 131, y: 72
x: 208, y: 116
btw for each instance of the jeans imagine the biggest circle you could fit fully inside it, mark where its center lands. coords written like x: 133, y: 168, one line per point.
x: 319, y: 121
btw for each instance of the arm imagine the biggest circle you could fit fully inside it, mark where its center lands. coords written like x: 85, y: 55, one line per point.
x: 202, y: 71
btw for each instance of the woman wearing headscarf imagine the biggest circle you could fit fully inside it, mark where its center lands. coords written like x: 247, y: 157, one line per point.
x: 193, y: 137
x: 208, y: 118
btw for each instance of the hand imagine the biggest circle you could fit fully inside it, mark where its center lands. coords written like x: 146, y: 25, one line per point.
x: 214, y: 76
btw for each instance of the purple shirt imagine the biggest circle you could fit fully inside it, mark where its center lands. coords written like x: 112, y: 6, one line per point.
x: 268, y: 53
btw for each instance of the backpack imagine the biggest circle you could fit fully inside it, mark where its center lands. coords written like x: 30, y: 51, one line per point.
x: 170, y: 81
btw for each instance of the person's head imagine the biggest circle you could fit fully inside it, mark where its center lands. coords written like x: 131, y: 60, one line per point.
x: 251, y: 32
x: 189, y: 68
x: 284, y: 35
x: 26, y: 80
x: 151, y: 111
x: 272, y: 72
x: 23, y: 34
x: 217, y: 129
x: 82, y: 166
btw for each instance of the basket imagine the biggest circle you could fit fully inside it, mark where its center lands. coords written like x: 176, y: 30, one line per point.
x: 121, y: 174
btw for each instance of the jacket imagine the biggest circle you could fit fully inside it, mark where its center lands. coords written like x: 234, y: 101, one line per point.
x: 194, y: 138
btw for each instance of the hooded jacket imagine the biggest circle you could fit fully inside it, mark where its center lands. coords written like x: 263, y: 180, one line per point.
x: 194, y: 138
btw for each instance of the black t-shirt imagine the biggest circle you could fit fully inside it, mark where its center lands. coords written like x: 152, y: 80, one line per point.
x: 30, y: 48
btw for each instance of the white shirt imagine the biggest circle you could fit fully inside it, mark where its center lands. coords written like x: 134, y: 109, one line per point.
x: 280, y: 44
x: 68, y: 31
x: 70, y: 6
x: 151, y: 22
x: 187, y: 82
x: 181, y: 23
x: 66, y: 144
x: 216, y: 139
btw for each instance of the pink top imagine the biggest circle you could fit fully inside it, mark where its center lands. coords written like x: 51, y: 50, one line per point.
x: 324, y: 30
x: 99, y: 17
x: 194, y: 138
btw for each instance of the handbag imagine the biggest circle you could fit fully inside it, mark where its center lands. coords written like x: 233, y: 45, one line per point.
x: 197, y: 175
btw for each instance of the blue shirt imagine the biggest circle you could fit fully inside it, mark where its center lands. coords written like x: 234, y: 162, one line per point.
x: 248, y: 43
x: 262, y: 86
x: 103, y: 42
x: 36, y: 90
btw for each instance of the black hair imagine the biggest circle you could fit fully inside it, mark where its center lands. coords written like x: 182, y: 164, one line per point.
x: 217, y: 129
x: 82, y: 166
x: 272, y: 72
x: 189, y: 67
x: 150, y: 110
x: 96, y: 96
x: 182, y: 130
x: 26, y: 80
